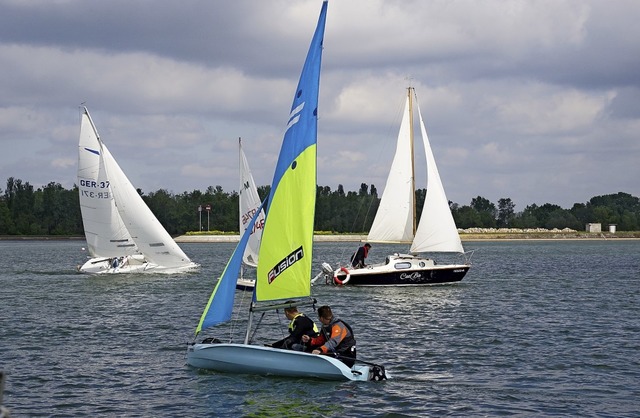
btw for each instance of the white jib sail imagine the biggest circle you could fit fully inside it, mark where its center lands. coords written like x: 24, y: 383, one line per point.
x: 437, y: 230
x: 152, y: 239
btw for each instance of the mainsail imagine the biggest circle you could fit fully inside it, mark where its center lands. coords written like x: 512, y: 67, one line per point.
x: 249, y: 201
x: 104, y: 229
x: 284, y: 263
x: 284, y: 267
x: 394, y: 221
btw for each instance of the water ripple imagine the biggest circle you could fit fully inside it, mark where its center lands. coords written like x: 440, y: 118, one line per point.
x: 536, y: 328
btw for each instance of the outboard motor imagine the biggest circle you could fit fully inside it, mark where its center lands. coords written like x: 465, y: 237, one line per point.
x: 327, y: 269
x: 378, y: 373
x: 327, y: 272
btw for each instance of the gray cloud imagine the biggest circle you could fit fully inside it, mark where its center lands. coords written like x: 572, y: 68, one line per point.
x: 536, y: 101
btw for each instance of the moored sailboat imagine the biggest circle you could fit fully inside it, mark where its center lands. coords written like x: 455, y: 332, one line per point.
x: 285, y: 256
x: 395, y: 221
x: 123, y: 235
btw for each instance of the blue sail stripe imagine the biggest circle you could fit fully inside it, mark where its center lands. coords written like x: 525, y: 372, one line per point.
x: 293, y: 121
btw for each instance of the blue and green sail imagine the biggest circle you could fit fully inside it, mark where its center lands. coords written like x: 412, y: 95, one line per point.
x: 284, y: 266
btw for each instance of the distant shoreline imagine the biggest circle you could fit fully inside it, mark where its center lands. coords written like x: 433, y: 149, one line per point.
x: 539, y: 236
x: 465, y: 237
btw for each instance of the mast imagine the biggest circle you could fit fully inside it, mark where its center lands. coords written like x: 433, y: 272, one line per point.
x: 413, y: 173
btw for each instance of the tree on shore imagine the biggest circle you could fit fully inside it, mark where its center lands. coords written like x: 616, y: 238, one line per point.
x: 53, y: 210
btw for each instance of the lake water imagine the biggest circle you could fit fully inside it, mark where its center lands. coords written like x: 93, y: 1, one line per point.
x: 536, y: 328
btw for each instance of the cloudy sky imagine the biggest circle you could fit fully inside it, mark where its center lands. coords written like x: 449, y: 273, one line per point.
x: 537, y: 101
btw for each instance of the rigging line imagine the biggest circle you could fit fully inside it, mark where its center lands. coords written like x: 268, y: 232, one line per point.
x: 235, y: 322
x: 344, y: 252
x: 256, y: 328
x: 280, y: 322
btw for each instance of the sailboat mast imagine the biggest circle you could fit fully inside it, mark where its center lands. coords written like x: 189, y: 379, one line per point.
x: 413, y: 171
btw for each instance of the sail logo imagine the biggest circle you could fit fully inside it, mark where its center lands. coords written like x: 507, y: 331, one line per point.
x: 258, y: 224
x: 244, y: 187
x: 285, y: 263
x: 294, y: 116
x: 412, y: 277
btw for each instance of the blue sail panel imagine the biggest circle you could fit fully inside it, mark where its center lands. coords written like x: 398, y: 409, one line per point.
x: 220, y: 305
x: 302, y: 127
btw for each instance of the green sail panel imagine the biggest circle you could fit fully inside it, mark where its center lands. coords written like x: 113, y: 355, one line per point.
x: 286, y: 250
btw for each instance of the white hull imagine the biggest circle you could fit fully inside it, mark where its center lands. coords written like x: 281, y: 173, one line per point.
x: 245, y: 284
x: 130, y: 264
x: 254, y: 359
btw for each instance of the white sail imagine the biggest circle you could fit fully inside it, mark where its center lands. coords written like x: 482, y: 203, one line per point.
x: 150, y: 236
x: 394, y: 219
x: 249, y: 204
x: 437, y: 231
x: 104, y: 229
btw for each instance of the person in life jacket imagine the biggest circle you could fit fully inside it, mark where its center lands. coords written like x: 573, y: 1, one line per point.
x: 336, y: 338
x: 300, y: 325
x: 357, y: 259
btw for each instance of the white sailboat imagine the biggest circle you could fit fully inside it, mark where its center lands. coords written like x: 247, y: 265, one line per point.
x: 249, y: 202
x: 395, y: 221
x: 285, y: 256
x: 123, y: 235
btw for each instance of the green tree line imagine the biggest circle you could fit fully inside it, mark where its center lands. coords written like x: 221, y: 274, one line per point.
x: 54, y: 210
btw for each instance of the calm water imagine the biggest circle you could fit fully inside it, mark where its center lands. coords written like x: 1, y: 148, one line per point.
x: 536, y: 328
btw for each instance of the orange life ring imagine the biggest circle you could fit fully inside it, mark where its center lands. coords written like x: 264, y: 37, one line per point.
x: 342, y: 282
